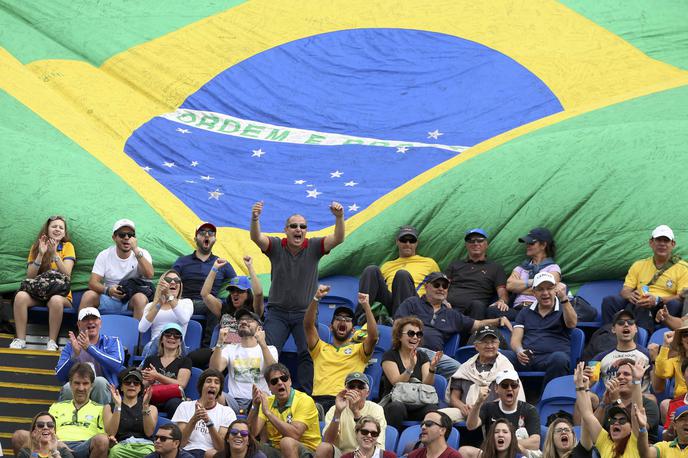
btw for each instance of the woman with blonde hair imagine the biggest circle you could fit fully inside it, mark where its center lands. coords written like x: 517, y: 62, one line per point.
x: 561, y: 441
x: 368, y: 429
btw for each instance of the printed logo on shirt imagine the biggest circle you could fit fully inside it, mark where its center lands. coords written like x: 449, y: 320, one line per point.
x: 348, y: 351
x: 669, y: 284
x: 289, y: 418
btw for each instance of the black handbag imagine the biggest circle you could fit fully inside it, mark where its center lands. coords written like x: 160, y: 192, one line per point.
x: 46, y: 285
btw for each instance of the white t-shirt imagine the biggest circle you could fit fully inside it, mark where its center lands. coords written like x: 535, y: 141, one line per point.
x: 112, y: 268
x: 245, y: 367
x: 221, y: 416
x: 181, y: 315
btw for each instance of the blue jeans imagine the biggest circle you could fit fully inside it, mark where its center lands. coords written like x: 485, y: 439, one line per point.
x: 110, y: 305
x: 554, y: 365
x: 278, y: 325
x: 447, y: 365
x: 80, y: 449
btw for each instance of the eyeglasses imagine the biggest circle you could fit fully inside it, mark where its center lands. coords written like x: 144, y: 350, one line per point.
x: 357, y: 386
x: 562, y: 430
x: 45, y: 424
x: 619, y: 420
x: 284, y: 378
x: 505, y: 385
x: 408, y: 240
x: 176, y: 280
x: 440, y: 284
x: 628, y: 322
x: 301, y: 226
x: 172, y: 335
x: 348, y: 319
x: 206, y: 232
x: 239, y: 432
x: 131, y: 381
x: 367, y: 432
x: 430, y: 423
x: 126, y: 235
x: 413, y: 334
x: 475, y: 241
x: 162, y: 439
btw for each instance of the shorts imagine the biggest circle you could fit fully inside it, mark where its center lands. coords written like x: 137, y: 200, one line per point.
x: 110, y: 305
x: 272, y: 452
x: 80, y: 449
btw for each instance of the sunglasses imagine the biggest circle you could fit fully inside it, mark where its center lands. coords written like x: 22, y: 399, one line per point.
x: 475, y: 241
x: 619, y: 420
x: 131, y: 381
x: 367, y: 432
x: 413, y: 334
x: 45, y: 424
x: 162, y: 438
x: 284, y: 378
x: 176, y: 280
x: 172, y: 335
x: 512, y: 385
x: 357, y: 386
x: 440, y: 284
x: 430, y: 423
x: 629, y: 322
x: 205, y: 232
x: 126, y: 235
x: 239, y: 432
x: 301, y: 226
x: 408, y: 240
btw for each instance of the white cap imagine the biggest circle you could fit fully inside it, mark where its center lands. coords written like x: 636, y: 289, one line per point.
x: 507, y: 374
x: 663, y: 231
x: 88, y: 311
x: 122, y: 223
x: 543, y: 277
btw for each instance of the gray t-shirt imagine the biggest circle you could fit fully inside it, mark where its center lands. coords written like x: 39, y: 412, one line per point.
x: 294, y: 278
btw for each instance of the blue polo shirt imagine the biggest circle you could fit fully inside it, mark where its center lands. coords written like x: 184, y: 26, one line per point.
x: 544, y: 335
x: 438, y: 327
x: 194, y: 272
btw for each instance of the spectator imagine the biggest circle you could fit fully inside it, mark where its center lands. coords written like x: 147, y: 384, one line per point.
x: 672, y: 354
x: 542, y: 332
x: 43, y: 439
x: 540, y: 251
x: 167, y: 443
x: 116, y: 267
x: 168, y: 366
x: 672, y: 448
x: 133, y: 419
x: 204, y: 422
x: 402, y: 364
x: 398, y: 279
x: 481, y: 369
x: 561, y: 442
x: 501, y: 441
x: 618, y: 441
x: 51, y: 252
x: 441, y: 321
x: 342, y: 429
x: 367, y: 430
x: 244, y: 361
x: 288, y: 417
x: 294, y: 275
x: 523, y: 416
x: 435, y: 430
x: 475, y: 281
x: 667, y: 409
x: 195, y: 268
x: 239, y: 443
x: 167, y: 307
x: 332, y: 362
x: 652, y: 283
x: 104, y: 354
x: 78, y: 421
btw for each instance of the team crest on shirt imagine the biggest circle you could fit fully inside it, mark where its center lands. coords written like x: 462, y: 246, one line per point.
x: 289, y: 418
x: 669, y: 283
x: 348, y: 351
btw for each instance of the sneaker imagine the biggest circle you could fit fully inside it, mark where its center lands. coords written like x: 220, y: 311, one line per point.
x: 52, y: 345
x: 18, y: 344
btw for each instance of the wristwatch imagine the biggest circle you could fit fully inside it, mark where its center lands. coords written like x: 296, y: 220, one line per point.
x: 209, y: 424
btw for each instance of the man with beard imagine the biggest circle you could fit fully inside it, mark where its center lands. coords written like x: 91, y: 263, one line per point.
x: 333, y: 362
x: 112, y: 267
x: 204, y: 422
x: 194, y: 268
x: 244, y: 361
x: 294, y: 279
x: 435, y: 429
x: 104, y: 354
x: 167, y: 442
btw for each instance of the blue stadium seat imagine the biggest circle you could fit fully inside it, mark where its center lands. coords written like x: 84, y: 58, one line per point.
x: 124, y: 327
x: 452, y: 345
x: 343, y: 288
x: 465, y: 353
x: 213, y: 338
x: 161, y: 421
x: 642, y: 337
x: 559, y: 394
x: 391, y: 438
x: 194, y: 334
x: 384, y: 338
x: 657, y: 337
x: 441, y: 388
x: 594, y: 292
x: 374, y: 371
x: 191, y: 390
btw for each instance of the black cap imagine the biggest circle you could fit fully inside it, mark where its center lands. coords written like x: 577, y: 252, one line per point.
x: 242, y: 312
x: 436, y: 276
x: 615, y: 410
x: 539, y: 234
x: 620, y: 313
x: 485, y: 331
x: 131, y: 372
x: 342, y: 310
x: 407, y: 230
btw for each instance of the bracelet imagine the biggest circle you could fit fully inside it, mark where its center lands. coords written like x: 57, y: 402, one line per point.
x: 37, y: 264
x: 107, y: 291
x: 139, y: 255
x: 118, y: 409
x: 636, y: 382
x: 356, y: 419
x: 56, y: 258
x: 642, y: 430
x: 316, y: 299
x: 432, y: 371
x: 219, y: 346
x: 146, y: 412
x: 210, y: 424
x: 214, y: 269
x: 407, y: 371
x: 582, y: 388
x: 564, y: 302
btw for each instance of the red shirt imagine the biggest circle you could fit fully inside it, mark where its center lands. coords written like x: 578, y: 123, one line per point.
x: 422, y: 453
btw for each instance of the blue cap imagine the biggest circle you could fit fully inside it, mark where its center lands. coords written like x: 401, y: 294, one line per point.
x: 477, y: 230
x: 241, y: 282
x: 680, y: 411
x: 173, y: 326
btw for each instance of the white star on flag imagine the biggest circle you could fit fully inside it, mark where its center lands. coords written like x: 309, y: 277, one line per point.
x: 215, y: 194
x: 183, y: 131
x: 207, y: 178
x: 353, y: 208
x: 146, y: 169
x: 435, y: 134
x: 299, y: 181
x: 194, y: 163
x: 168, y: 164
x: 257, y: 152
x: 190, y: 181
x: 350, y: 183
x: 336, y: 174
x: 402, y: 149
x: 313, y: 193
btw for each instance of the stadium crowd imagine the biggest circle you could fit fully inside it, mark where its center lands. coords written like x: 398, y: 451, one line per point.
x: 386, y: 367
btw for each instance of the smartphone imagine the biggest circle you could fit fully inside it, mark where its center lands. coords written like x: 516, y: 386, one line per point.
x: 529, y: 353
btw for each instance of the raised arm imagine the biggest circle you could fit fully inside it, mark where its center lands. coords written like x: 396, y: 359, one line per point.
x: 570, y: 317
x: 473, y: 420
x: 256, y: 287
x: 256, y: 235
x: 372, y: 336
x: 335, y: 239
x: 639, y: 427
x: 213, y: 303
x: 145, y: 266
x: 589, y: 422
x: 309, y: 326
